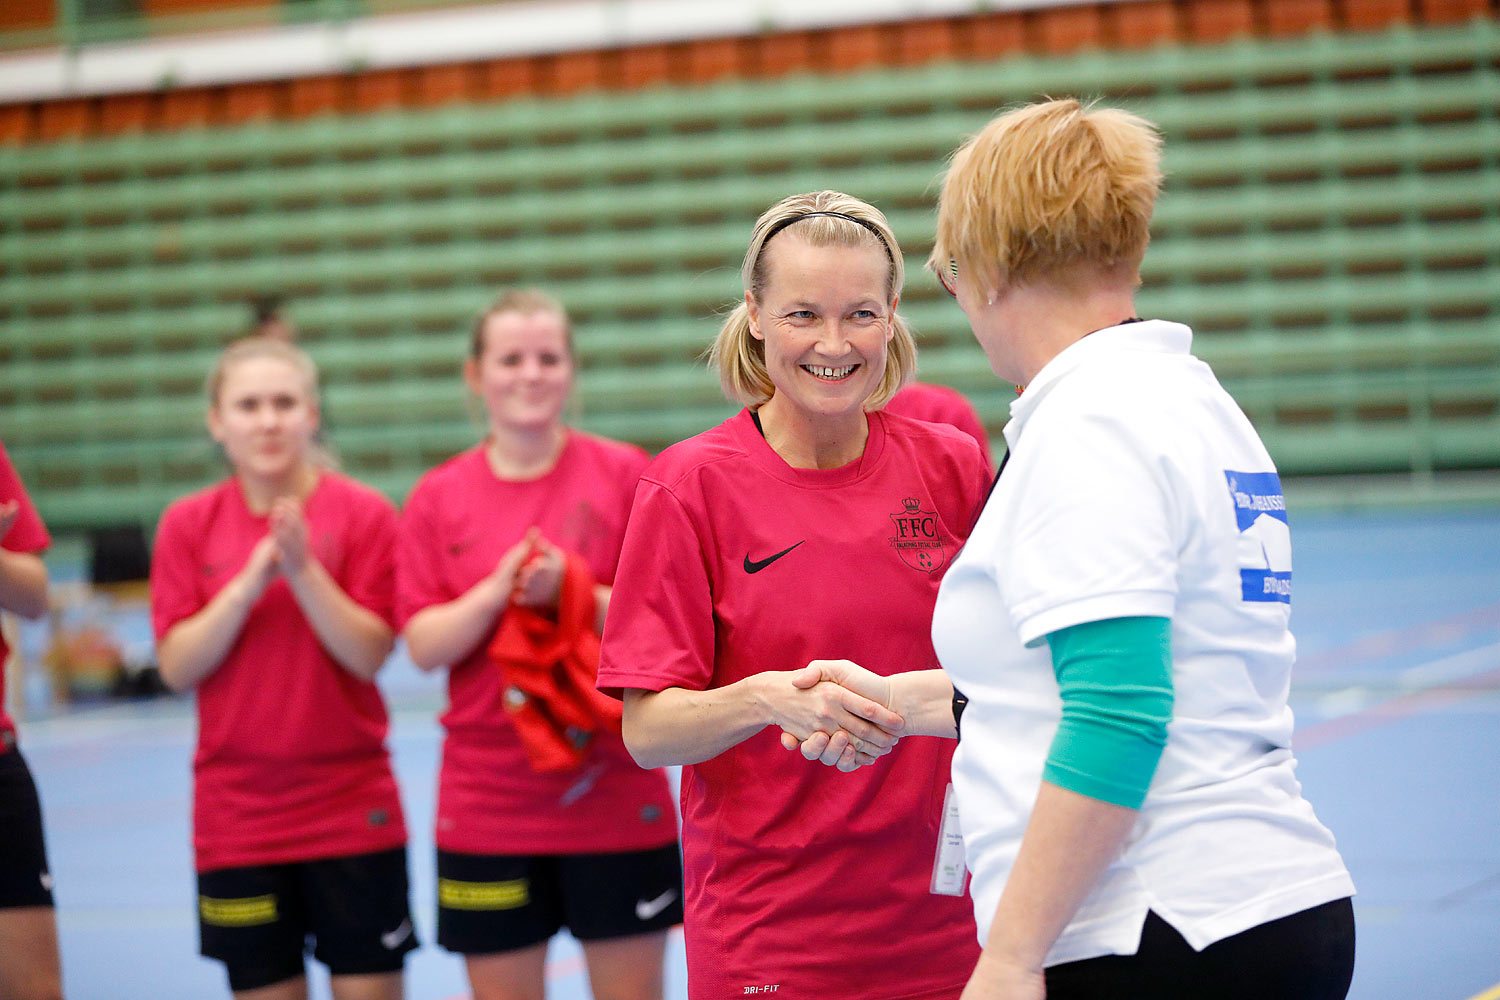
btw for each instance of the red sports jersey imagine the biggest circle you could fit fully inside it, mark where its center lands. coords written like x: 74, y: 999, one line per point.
x: 291, y: 762
x: 939, y: 404
x: 458, y: 523
x: 27, y: 534
x: 801, y: 880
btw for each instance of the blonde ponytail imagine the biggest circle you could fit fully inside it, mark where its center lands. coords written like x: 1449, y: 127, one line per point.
x: 740, y: 360
x: 900, y: 364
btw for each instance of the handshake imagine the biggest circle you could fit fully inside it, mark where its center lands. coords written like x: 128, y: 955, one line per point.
x: 845, y: 716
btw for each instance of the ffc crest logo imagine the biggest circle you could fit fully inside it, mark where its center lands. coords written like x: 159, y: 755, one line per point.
x: 917, y: 540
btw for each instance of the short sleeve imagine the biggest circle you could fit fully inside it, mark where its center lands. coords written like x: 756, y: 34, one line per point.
x: 1091, y: 530
x: 175, y: 593
x: 28, y: 533
x: 369, y: 575
x: 660, y: 629
x: 631, y: 466
x: 419, y: 581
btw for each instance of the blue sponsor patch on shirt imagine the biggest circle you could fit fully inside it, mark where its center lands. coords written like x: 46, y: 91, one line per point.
x: 1266, y: 585
x: 1265, y: 550
x: 1254, y: 494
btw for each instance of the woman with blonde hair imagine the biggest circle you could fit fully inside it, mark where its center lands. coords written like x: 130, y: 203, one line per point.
x: 271, y: 598
x: 1118, y: 622
x: 506, y: 565
x: 807, y: 523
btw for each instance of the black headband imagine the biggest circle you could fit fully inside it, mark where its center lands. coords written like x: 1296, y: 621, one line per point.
x: 837, y: 215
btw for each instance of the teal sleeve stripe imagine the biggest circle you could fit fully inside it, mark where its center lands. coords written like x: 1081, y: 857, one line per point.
x: 1116, y: 682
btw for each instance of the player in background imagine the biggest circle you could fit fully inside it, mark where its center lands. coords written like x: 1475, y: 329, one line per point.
x: 29, y: 965
x: 939, y: 404
x: 809, y: 522
x: 271, y: 597
x: 532, y: 513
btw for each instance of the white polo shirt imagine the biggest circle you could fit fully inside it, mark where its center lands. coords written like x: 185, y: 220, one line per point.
x: 1136, y: 486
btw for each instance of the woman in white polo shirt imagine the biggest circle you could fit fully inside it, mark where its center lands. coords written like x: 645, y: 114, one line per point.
x: 1117, y: 622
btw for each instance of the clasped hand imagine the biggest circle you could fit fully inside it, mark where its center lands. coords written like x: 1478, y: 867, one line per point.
x: 284, y: 550
x: 863, y: 697
x: 531, y: 572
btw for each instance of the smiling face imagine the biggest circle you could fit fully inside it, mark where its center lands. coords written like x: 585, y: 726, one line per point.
x: 524, y: 370
x: 264, y: 416
x: 824, y: 317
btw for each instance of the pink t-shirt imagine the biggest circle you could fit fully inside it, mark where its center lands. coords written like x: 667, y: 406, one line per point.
x: 939, y: 404
x: 800, y: 877
x: 291, y: 762
x: 458, y: 523
x: 27, y: 534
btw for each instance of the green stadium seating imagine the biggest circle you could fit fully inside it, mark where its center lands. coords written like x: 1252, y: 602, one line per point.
x: 1330, y: 227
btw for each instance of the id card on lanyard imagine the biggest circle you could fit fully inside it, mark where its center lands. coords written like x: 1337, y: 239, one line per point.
x: 950, y: 875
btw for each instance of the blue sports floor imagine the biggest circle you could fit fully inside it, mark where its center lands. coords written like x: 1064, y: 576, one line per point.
x: 1398, y: 702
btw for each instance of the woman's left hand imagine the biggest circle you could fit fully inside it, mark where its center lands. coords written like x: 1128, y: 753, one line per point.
x: 539, y: 583
x: 995, y: 979
x: 289, y: 528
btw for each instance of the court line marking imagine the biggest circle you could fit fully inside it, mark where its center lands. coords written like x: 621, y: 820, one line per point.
x: 567, y: 966
x: 1464, y: 893
x: 1493, y: 993
x: 1448, y: 668
x: 1401, y: 707
x: 1383, y: 645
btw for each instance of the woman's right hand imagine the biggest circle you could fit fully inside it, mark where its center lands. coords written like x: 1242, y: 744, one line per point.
x: 508, y: 570
x: 836, y: 747
x: 539, y: 581
x: 262, y: 566
x: 443, y: 634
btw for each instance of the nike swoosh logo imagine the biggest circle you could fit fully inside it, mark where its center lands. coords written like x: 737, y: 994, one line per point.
x: 393, y: 939
x: 645, y: 909
x: 755, y: 567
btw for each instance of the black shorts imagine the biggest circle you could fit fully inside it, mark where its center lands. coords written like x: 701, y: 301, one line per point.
x: 491, y: 903
x: 1305, y: 956
x: 260, y: 920
x: 24, y: 877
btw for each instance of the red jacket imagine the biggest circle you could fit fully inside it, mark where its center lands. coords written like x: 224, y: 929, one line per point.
x: 550, y: 669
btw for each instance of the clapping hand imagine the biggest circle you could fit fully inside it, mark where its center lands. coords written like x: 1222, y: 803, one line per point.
x: 284, y: 549
x: 262, y: 566
x: 289, y: 529
x: 539, y: 580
